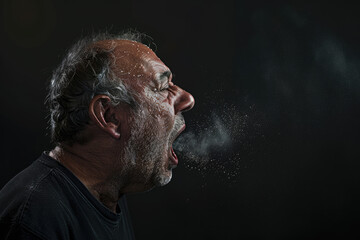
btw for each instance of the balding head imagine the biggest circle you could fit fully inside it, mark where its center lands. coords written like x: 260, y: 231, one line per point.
x: 129, y: 58
x: 87, y: 70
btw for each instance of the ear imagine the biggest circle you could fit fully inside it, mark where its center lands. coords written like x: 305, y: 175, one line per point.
x: 104, y: 115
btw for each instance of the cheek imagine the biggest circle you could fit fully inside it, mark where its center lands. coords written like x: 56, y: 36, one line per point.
x: 158, y: 107
x: 165, y: 117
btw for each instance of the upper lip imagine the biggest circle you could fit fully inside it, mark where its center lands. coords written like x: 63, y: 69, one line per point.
x: 178, y: 133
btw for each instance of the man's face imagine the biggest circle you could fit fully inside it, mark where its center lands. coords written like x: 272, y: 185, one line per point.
x: 158, y: 121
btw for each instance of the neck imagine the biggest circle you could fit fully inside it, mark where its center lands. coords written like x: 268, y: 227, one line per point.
x: 93, y: 169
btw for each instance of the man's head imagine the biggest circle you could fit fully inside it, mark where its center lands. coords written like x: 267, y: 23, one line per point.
x: 115, y: 92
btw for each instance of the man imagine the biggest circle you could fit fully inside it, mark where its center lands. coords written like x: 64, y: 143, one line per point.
x: 115, y: 113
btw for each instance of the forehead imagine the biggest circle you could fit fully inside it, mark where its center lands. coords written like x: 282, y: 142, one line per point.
x: 133, y: 60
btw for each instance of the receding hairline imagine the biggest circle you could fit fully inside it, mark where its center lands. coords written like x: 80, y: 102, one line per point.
x: 111, y: 44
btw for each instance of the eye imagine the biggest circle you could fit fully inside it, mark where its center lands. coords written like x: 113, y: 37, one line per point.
x: 165, y: 88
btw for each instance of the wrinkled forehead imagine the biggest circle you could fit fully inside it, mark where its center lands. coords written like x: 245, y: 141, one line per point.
x: 133, y: 60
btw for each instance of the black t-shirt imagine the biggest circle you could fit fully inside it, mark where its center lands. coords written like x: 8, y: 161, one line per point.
x: 47, y: 201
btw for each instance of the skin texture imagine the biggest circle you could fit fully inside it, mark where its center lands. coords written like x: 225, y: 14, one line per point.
x: 129, y: 150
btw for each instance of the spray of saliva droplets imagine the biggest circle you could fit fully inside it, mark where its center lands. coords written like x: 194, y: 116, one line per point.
x: 197, y: 146
x: 217, y: 143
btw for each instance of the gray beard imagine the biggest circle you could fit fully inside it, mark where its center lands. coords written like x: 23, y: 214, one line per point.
x: 149, y: 144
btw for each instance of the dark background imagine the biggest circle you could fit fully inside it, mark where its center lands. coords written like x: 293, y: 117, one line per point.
x: 295, y: 63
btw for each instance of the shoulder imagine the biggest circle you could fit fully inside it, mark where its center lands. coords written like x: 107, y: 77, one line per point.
x: 16, y: 193
x: 17, y: 231
x: 33, y: 200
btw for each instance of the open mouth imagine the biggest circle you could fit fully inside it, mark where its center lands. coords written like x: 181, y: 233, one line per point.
x: 173, y: 158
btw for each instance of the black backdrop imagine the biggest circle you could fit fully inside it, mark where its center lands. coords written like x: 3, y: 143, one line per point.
x: 294, y: 67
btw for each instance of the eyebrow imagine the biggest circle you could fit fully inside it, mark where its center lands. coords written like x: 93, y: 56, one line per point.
x: 164, y: 77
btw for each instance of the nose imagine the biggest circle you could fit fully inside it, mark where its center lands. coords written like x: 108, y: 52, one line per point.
x: 184, y: 101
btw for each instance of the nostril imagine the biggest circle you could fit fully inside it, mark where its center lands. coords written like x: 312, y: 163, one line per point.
x: 185, y: 102
x: 190, y: 103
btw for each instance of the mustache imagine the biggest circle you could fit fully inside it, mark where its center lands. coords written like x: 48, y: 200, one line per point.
x: 178, y: 124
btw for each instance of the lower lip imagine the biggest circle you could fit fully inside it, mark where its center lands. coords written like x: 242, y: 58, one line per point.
x: 173, y: 158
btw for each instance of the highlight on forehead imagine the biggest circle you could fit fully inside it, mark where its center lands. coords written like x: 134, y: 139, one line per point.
x: 111, y: 44
x: 123, y: 51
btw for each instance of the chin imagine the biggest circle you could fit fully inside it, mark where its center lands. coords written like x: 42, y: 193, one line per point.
x: 159, y: 181
x: 163, y: 171
x: 164, y: 178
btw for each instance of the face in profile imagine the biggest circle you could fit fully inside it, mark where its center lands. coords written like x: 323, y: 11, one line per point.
x: 157, y: 121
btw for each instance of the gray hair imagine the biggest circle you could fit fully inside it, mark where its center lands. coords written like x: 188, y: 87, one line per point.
x: 84, y: 73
